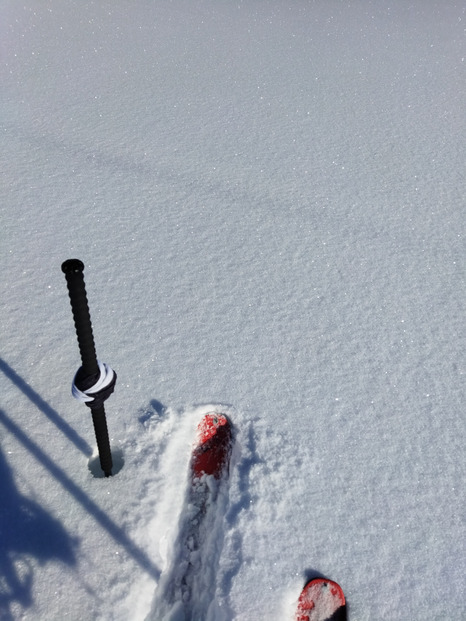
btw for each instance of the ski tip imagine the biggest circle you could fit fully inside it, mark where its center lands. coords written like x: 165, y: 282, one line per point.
x: 212, y: 451
x: 321, y: 600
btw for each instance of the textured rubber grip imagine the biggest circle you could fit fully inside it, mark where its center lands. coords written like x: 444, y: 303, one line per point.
x: 73, y: 270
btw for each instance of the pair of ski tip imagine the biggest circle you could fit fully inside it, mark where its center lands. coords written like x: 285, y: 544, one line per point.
x: 320, y: 599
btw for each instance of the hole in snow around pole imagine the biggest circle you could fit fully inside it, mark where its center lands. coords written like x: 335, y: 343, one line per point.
x: 94, y: 464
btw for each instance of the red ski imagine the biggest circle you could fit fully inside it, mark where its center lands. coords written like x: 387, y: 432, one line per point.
x: 188, y: 586
x: 321, y: 600
x: 211, y: 454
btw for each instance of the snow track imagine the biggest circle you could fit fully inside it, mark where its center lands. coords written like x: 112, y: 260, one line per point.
x: 189, y: 522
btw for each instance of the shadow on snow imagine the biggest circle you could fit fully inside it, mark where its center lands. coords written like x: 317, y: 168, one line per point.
x: 25, y: 523
x: 46, y: 409
x: 27, y: 534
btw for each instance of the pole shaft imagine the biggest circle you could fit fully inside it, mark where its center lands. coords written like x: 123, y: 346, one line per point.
x: 103, y: 442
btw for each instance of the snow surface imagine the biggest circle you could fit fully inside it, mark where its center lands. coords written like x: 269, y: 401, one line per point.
x: 269, y: 201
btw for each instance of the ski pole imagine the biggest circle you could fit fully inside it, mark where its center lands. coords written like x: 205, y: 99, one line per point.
x: 94, y: 382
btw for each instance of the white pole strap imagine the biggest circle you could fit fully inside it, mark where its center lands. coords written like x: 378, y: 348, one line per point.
x: 105, y: 379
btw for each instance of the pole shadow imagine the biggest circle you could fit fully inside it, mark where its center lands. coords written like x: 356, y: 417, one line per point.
x: 45, y: 408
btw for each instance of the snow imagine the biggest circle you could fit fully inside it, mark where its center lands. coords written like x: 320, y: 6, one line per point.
x: 269, y: 202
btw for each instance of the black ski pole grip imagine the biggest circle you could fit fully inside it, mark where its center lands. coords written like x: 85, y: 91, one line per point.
x: 73, y: 270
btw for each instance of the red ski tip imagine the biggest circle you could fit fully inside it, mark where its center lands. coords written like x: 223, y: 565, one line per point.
x: 321, y: 600
x: 212, y: 451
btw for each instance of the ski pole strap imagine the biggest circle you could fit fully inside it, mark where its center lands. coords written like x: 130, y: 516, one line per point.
x: 94, y: 390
